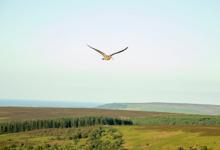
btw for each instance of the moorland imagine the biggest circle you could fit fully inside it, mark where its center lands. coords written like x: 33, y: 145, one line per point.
x: 148, y: 130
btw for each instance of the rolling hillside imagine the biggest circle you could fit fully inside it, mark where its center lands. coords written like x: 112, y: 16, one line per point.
x: 138, y: 117
x: 166, y: 107
x: 29, y: 113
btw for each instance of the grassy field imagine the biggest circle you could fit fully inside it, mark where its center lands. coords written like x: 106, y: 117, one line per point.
x: 135, y: 137
x: 170, y: 137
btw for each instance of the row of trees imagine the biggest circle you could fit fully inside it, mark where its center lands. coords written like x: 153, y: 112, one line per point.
x: 11, y: 127
x: 179, y: 120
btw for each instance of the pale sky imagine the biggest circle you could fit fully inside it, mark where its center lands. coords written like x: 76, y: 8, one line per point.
x: 173, y: 53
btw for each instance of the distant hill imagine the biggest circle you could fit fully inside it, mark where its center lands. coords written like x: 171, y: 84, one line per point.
x: 46, y: 103
x: 202, y: 109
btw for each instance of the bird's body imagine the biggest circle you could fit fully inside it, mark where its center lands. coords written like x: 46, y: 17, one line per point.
x: 105, y: 56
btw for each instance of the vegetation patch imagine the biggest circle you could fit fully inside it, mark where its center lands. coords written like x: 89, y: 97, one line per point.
x: 90, y: 138
x: 178, y: 120
x: 170, y: 137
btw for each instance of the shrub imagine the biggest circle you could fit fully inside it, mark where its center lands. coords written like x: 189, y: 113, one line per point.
x: 203, y: 148
x: 180, y: 148
x: 104, y: 138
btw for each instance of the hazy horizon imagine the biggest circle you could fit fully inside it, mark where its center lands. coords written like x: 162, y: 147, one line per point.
x: 77, y: 104
x: 173, y: 53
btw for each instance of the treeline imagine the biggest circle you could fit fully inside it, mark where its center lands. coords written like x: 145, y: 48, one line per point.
x: 19, y: 126
x: 178, y: 120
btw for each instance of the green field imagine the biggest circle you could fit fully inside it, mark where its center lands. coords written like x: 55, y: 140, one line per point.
x: 134, y: 137
x: 170, y: 137
x: 152, y: 131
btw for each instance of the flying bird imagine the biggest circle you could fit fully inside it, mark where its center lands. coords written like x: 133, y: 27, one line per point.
x: 105, y: 56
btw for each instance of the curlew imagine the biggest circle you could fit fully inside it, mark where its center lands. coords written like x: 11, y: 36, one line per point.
x: 105, y: 56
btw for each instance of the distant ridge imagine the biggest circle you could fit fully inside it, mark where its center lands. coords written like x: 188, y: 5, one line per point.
x: 203, y: 109
x: 46, y: 103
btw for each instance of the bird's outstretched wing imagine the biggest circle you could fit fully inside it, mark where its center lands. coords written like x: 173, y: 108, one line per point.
x: 119, y: 51
x: 100, y: 52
